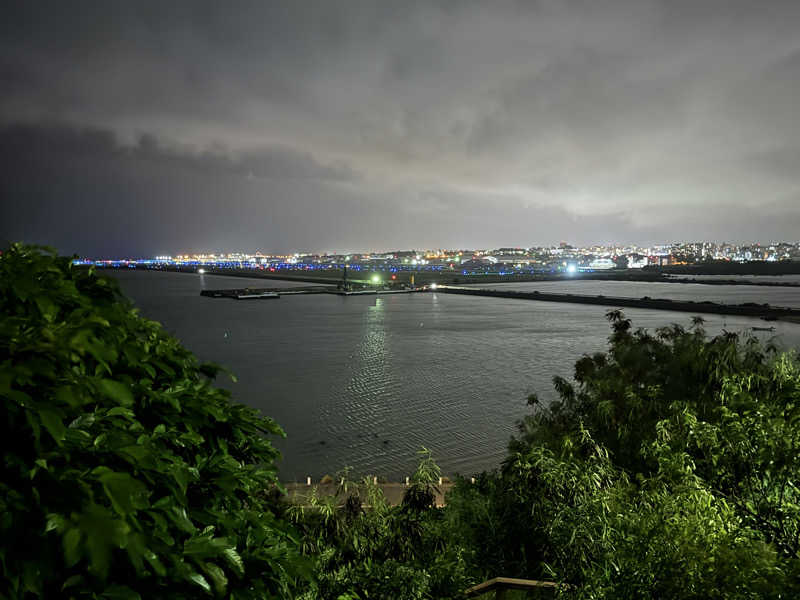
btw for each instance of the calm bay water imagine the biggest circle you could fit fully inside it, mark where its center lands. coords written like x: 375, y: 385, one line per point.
x: 727, y: 294
x: 366, y: 381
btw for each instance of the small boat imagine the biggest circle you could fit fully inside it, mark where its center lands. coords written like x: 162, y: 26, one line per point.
x: 257, y: 296
x: 763, y: 328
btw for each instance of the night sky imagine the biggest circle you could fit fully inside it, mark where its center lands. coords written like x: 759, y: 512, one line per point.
x: 142, y: 128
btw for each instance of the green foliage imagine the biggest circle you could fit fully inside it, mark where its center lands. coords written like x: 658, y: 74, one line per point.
x: 126, y: 474
x: 421, y: 494
x: 366, y: 548
x: 668, y: 468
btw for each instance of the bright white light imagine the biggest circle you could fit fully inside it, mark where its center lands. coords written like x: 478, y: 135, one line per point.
x: 433, y: 286
x: 571, y: 269
x: 201, y: 271
x: 376, y: 279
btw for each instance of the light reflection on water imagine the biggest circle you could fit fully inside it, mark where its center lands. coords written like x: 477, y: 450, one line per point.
x: 363, y: 407
x: 366, y: 381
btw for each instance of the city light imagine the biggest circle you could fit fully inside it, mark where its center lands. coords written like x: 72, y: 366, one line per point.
x: 433, y: 286
x: 376, y: 279
x: 563, y: 259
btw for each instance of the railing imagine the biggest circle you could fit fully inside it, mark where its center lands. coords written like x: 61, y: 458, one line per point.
x: 501, y: 585
x: 393, y: 492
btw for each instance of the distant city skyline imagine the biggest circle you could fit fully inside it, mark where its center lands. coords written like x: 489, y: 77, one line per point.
x: 129, y: 128
x: 773, y: 250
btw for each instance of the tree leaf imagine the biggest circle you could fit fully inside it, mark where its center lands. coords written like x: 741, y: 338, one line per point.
x: 198, y: 579
x: 217, y: 576
x: 71, y: 581
x: 116, y: 391
x: 127, y: 494
x: 234, y: 561
x: 47, y: 308
x: 53, y: 424
x: 71, y: 543
x: 155, y: 563
x: 121, y: 411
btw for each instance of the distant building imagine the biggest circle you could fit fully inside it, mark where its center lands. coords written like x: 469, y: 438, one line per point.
x: 637, y: 261
x: 476, y: 263
x: 602, y: 263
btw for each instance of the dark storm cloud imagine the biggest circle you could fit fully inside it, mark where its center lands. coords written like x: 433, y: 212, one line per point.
x: 64, y: 180
x: 337, y: 125
x: 46, y: 146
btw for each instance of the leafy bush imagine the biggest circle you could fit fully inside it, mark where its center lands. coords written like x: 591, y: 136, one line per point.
x: 126, y: 474
x: 366, y: 548
x: 668, y: 468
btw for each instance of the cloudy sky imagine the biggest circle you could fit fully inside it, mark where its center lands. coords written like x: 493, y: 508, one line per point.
x: 141, y: 128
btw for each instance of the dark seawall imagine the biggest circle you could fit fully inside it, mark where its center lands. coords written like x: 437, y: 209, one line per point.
x: 764, y: 311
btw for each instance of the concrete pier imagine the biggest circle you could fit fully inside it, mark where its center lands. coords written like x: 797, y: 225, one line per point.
x: 238, y: 292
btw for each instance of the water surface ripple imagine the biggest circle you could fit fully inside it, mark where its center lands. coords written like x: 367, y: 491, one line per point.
x: 366, y: 381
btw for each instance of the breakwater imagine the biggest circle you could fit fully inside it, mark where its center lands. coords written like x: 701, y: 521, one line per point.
x: 238, y: 293
x: 241, y: 293
x: 750, y: 309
